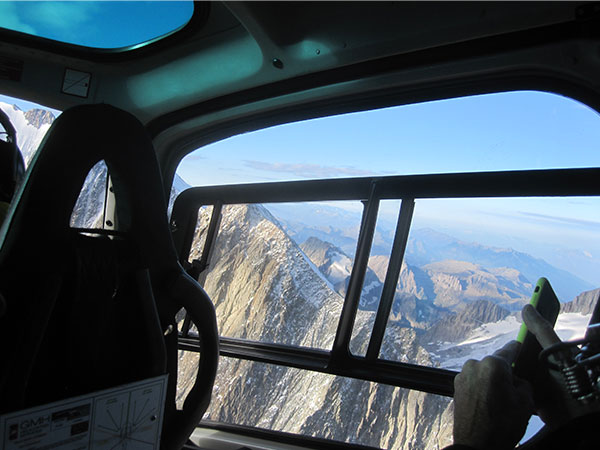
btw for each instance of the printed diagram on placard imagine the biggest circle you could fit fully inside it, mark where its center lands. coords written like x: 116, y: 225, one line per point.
x: 129, y: 420
x: 127, y: 417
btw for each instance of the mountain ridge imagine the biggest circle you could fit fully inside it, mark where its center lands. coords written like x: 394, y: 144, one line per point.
x: 427, y: 245
x: 264, y: 290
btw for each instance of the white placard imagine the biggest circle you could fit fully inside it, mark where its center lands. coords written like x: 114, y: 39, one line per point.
x: 126, y: 417
x: 76, y: 83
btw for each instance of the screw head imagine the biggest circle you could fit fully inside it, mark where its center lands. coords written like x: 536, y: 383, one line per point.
x: 277, y: 63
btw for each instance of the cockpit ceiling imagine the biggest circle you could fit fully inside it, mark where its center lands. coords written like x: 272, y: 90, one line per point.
x: 245, y: 45
x: 410, y: 25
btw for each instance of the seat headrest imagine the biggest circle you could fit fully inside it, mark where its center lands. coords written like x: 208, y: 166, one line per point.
x: 78, y: 139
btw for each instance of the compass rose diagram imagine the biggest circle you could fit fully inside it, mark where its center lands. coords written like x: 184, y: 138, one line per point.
x: 128, y: 420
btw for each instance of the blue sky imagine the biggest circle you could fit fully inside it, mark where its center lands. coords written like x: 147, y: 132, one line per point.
x: 523, y: 130
x: 107, y: 24
x: 509, y: 131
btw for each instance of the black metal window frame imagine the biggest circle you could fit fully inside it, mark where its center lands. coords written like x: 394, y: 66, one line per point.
x: 370, y: 190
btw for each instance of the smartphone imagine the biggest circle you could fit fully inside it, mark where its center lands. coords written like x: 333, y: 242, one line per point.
x: 545, y: 302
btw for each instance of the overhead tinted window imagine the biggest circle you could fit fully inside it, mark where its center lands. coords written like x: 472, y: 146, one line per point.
x: 105, y: 25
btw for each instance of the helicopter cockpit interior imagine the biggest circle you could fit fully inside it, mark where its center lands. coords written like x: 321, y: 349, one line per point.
x: 287, y: 225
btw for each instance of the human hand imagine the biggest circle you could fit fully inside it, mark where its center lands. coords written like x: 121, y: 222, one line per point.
x: 552, y: 403
x: 491, y: 406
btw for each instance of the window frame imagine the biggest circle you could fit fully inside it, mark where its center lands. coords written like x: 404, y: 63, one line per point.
x: 370, y: 190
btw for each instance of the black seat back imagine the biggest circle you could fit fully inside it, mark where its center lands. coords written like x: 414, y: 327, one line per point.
x: 12, y: 166
x: 85, y: 311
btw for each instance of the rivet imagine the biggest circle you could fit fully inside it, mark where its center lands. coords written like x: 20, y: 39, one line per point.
x: 277, y: 63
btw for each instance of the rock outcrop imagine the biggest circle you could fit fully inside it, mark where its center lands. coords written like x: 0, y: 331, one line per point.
x: 39, y: 117
x: 457, y: 326
x: 457, y: 283
x: 584, y: 303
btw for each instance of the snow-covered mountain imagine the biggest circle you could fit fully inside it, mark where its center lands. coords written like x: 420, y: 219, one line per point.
x: 489, y: 337
x: 584, y: 303
x: 340, y: 227
x: 262, y: 284
x: 337, y: 267
x: 266, y: 288
x: 329, y: 223
x: 483, y: 328
x: 455, y: 327
x: 31, y: 126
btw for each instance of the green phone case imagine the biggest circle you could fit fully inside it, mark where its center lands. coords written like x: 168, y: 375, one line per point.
x: 544, y: 300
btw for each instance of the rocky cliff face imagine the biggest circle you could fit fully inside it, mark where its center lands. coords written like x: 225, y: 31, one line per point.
x: 584, y: 303
x: 457, y: 283
x: 457, y: 326
x: 336, y: 266
x: 39, y: 117
x: 413, y: 304
x: 31, y: 126
x: 417, y: 421
x: 265, y: 288
x: 331, y: 262
x: 89, y: 209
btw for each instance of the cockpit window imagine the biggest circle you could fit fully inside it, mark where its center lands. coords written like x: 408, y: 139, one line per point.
x: 102, y: 25
x: 492, y: 132
x: 31, y: 121
x: 454, y: 253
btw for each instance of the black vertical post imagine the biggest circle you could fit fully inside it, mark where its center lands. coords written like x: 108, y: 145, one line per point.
x: 199, y: 267
x: 391, y: 278
x: 340, y: 350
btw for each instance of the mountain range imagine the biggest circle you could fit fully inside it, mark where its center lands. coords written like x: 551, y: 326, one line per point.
x: 31, y: 126
x: 428, y: 246
x: 254, y: 280
x: 266, y: 288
